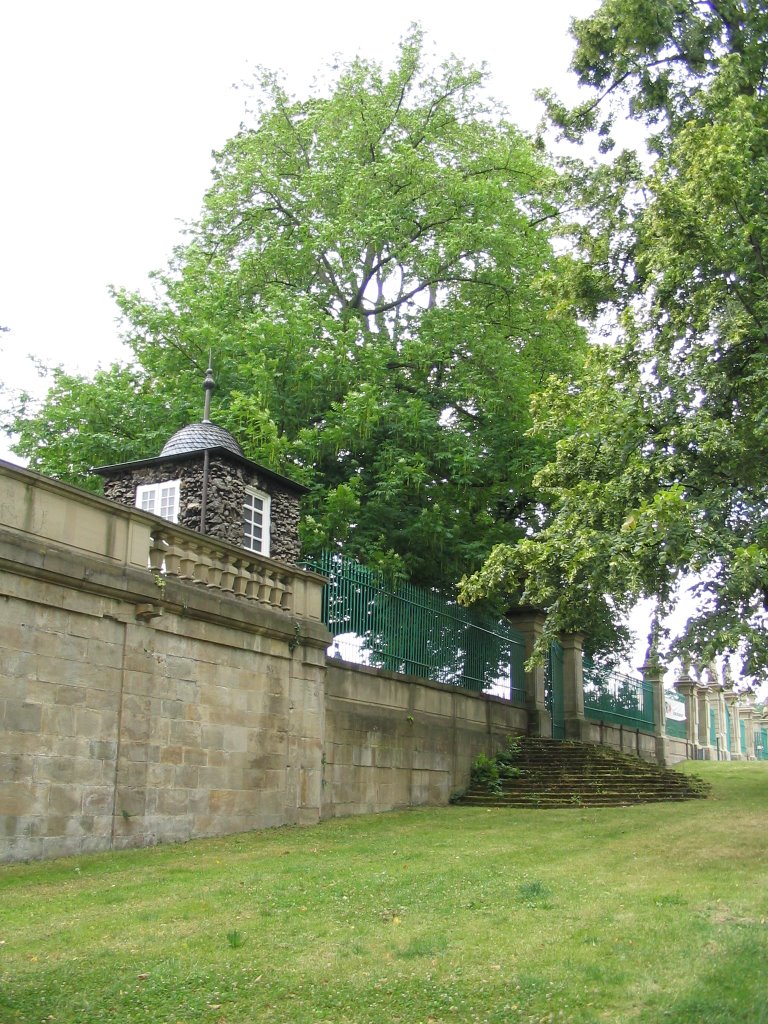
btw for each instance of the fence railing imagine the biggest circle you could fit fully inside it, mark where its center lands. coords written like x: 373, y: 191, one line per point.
x: 676, y: 728
x: 207, y: 563
x: 409, y: 629
x: 611, y: 696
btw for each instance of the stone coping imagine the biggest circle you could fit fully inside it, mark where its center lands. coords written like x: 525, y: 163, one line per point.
x: 89, y: 527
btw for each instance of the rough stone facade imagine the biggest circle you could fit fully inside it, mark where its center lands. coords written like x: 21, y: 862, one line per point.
x: 399, y: 741
x: 137, y: 709
x: 227, y: 481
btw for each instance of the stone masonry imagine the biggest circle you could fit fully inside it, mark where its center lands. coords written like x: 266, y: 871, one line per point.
x: 138, y: 708
x: 228, y: 477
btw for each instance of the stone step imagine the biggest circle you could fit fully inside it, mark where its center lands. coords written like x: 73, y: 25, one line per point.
x: 569, y: 774
x: 574, y: 799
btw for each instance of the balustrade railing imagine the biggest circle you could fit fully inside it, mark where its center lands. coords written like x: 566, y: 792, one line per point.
x: 176, y: 555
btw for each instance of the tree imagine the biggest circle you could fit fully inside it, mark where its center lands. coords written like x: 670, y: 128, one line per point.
x: 661, y: 469
x: 373, y: 272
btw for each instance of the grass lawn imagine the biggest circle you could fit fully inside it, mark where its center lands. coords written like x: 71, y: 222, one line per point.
x: 644, y: 914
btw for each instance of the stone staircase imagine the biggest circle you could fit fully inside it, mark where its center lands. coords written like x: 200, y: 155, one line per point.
x: 543, y: 773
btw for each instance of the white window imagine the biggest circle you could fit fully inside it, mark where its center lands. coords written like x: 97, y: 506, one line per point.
x: 161, y: 499
x: 256, y: 521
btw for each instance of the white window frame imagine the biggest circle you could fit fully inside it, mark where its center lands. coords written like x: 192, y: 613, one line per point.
x: 249, y: 542
x: 149, y: 498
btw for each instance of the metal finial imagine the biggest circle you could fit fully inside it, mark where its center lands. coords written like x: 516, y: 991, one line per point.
x: 209, y: 384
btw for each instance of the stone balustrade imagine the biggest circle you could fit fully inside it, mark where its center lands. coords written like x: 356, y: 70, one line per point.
x: 176, y: 554
x: 54, y: 516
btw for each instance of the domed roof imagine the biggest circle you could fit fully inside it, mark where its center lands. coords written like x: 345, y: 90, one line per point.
x: 197, y: 437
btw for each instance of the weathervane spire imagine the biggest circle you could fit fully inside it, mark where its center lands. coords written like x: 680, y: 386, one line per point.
x: 209, y: 384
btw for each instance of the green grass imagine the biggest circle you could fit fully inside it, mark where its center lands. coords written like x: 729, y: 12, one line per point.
x: 648, y: 914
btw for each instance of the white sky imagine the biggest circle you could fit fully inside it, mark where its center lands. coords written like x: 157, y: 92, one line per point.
x: 110, y: 110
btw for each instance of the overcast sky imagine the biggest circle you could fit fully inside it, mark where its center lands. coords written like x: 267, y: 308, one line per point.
x: 110, y: 111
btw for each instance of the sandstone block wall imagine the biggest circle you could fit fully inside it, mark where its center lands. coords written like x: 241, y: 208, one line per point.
x: 396, y: 741
x: 120, y: 732
x: 137, y: 709
x: 59, y: 712
x: 676, y: 750
x: 621, y: 738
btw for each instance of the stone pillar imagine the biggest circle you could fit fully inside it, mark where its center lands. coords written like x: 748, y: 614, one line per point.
x: 748, y: 717
x: 702, y: 703
x: 730, y: 699
x: 530, y: 622
x: 760, y: 722
x: 717, y: 704
x: 573, y: 684
x: 653, y: 674
x: 686, y: 687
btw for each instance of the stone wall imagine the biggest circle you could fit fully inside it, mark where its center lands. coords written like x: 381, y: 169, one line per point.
x: 227, y: 481
x: 621, y: 738
x: 677, y: 750
x: 138, y: 708
x: 121, y: 732
x: 399, y: 741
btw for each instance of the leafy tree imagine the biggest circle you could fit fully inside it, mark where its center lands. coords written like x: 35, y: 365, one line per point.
x: 663, y: 471
x: 374, y: 272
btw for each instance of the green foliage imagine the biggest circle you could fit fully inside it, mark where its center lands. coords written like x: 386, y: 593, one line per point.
x: 117, y: 415
x: 510, y: 752
x: 485, y: 772
x: 489, y: 771
x: 235, y: 939
x: 661, y: 468
x: 373, y: 270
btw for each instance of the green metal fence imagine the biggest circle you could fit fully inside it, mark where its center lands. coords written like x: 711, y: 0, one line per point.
x: 761, y: 743
x: 412, y: 630
x: 611, y: 696
x: 676, y: 728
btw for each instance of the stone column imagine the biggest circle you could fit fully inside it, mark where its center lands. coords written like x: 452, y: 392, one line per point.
x: 573, y: 684
x: 760, y: 722
x: 653, y: 674
x: 730, y: 699
x: 686, y: 687
x: 702, y: 699
x: 530, y: 622
x: 748, y: 717
x: 717, y: 703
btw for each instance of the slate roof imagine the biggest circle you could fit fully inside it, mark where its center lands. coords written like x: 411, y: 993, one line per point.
x: 199, y: 436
